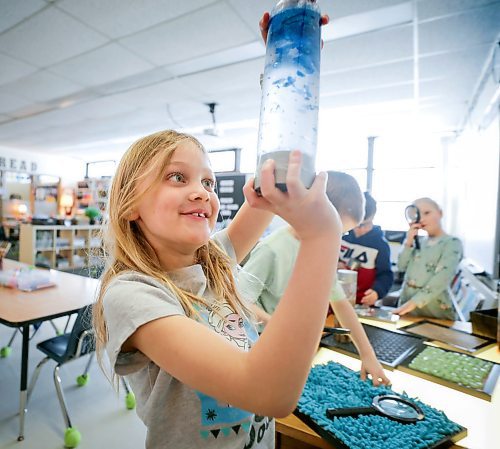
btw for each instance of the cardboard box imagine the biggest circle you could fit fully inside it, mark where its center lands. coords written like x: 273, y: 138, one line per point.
x: 485, y: 322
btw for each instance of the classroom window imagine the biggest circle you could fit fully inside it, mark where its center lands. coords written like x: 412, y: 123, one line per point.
x: 405, y: 169
x: 402, y: 169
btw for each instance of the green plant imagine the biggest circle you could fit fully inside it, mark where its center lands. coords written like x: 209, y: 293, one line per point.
x: 92, y: 213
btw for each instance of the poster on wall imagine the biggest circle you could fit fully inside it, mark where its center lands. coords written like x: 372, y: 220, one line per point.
x: 230, y: 193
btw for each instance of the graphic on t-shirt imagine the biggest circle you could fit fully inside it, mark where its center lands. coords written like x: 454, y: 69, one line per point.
x: 220, y: 418
x: 257, y: 431
x: 226, y: 322
x: 364, y: 255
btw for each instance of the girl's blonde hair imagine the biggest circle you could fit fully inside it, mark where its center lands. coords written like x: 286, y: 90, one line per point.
x: 127, y: 248
x: 429, y: 201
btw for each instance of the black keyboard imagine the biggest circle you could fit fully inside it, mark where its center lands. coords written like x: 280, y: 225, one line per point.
x: 391, y: 347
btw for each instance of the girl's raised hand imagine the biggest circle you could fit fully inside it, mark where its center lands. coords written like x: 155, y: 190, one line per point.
x: 308, y: 211
x: 412, y: 233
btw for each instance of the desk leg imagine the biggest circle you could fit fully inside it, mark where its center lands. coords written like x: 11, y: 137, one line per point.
x: 24, y: 381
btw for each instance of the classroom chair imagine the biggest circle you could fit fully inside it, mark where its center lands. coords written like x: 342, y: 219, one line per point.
x: 5, y: 351
x: 64, y: 348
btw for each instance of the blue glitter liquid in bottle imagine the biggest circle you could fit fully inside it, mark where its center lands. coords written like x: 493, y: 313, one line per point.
x: 290, y: 89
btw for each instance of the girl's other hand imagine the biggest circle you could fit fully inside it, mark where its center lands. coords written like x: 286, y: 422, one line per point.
x: 308, y: 211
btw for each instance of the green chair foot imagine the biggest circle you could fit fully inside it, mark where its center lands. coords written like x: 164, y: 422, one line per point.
x: 130, y: 401
x: 5, y: 351
x: 72, y: 437
x: 82, y: 380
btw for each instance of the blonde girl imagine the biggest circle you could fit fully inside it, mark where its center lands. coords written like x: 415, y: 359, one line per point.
x: 167, y: 274
x: 430, y: 269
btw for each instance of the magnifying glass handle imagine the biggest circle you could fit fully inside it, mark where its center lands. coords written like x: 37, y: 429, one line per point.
x: 337, y: 330
x: 417, y: 242
x: 354, y: 411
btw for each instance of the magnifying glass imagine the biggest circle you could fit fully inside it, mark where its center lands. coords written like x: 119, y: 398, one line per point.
x: 412, y: 215
x: 388, y: 405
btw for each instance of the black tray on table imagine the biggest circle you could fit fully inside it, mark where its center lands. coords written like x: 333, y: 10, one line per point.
x: 391, y: 346
x: 339, y: 444
x: 461, y: 340
x: 484, y: 392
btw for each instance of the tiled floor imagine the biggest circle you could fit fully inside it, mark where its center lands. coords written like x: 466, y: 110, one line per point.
x: 95, y: 410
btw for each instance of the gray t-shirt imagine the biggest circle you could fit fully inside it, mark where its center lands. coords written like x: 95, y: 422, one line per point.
x: 177, y: 416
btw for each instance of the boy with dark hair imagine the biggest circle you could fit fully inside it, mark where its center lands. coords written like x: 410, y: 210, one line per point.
x: 366, y: 250
x: 266, y: 274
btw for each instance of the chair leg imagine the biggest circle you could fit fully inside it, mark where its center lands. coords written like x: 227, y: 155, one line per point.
x: 87, y: 367
x: 67, y: 324
x: 72, y: 436
x: 129, y: 396
x: 34, y: 378
x: 60, y: 396
x: 82, y: 379
x: 6, y: 350
x: 56, y: 329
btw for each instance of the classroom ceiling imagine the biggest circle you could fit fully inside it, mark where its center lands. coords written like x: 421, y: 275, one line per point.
x: 83, y: 78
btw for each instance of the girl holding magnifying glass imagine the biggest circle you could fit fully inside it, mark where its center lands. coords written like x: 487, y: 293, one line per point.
x: 430, y: 266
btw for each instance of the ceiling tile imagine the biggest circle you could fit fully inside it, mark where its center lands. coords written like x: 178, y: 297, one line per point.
x: 101, y: 107
x: 461, y: 31
x: 159, y: 93
x: 118, y: 18
x: 13, y: 12
x: 13, y: 69
x: 105, y: 64
x: 49, y: 37
x: 251, y: 12
x: 190, y: 36
x: 341, y: 8
x: 376, y: 95
x: 428, y: 9
x: 455, y: 63
x: 26, y: 126
x: 42, y: 86
x: 220, y: 80
x: 367, y: 49
x: 10, y: 102
x: 367, y: 78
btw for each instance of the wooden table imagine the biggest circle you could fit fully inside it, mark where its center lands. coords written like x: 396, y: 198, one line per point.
x: 20, y: 309
x: 480, y: 417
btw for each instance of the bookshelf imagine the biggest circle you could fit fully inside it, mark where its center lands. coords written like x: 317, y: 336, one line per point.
x: 92, y: 192
x: 60, y: 247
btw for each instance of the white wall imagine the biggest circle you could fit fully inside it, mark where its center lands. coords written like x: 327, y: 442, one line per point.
x: 69, y: 169
x: 472, y: 196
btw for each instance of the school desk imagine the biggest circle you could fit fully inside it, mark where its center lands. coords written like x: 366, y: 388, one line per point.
x: 20, y: 309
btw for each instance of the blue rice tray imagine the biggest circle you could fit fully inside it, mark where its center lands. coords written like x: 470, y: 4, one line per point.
x: 335, y: 386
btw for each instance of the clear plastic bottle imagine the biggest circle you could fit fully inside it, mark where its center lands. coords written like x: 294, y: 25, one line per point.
x: 290, y: 89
